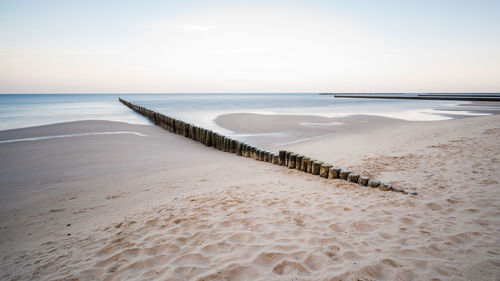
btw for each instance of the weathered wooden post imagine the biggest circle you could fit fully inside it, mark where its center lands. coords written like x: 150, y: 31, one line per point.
x: 287, y: 157
x: 353, y: 178
x: 334, y: 173
x: 239, y: 148
x: 208, y: 138
x: 221, y: 142
x: 324, y: 170
x: 214, y: 137
x: 316, y: 167
x: 199, y: 134
x: 204, y: 133
x: 181, y: 128
x: 298, y: 162
x: 233, y: 146
x: 192, y: 134
x: 385, y: 187
x: 188, y: 130
x: 344, y: 174
x: 262, y: 155
x: 310, y: 166
x: 215, y: 140
x: 363, y: 180
x: 224, y: 143
x: 291, y: 161
x: 282, y: 157
x: 276, y: 159
x: 303, y: 165
x: 373, y: 183
x: 155, y: 119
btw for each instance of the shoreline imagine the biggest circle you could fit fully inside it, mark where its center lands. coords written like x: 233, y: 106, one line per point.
x: 271, y: 131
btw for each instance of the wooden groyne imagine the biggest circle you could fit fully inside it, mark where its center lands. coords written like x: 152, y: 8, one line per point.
x: 283, y: 158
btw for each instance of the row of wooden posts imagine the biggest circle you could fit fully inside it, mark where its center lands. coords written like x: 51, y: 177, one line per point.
x: 284, y: 158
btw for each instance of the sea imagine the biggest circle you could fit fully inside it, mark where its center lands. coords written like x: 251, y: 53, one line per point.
x: 27, y: 110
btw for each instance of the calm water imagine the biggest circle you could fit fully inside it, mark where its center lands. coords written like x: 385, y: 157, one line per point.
x: 17, y: 111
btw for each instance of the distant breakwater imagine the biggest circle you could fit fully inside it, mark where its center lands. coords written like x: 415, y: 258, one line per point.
x: 283, y: 158
x: 458, y: 97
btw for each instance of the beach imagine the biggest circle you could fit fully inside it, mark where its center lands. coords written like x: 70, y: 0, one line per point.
x: 144, y: 203
x: 250, y: 140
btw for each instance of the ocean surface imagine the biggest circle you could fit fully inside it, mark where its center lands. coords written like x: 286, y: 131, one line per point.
x: 18, y: 111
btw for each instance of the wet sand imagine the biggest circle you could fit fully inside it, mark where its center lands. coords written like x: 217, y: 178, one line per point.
x: 164, y: 207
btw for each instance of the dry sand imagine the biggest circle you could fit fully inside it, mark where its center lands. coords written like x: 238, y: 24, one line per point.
x: 163, y: 207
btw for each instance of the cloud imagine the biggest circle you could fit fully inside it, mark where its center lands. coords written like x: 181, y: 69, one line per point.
x: 194, y: 28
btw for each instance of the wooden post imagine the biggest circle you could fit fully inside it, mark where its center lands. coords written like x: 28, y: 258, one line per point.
x: 298, y: 162
x: 363, y: 180
x: 303, y: 165
x: 353, y: 178
x: 291, y: 161
x: 334, y: 173
x: 324, y: 170
x: 262, y: 155
x: 282, y: 157
x: 220, y: 142
x: 208, y: 138
x: 344, y: 174
x: 204, y: 133
x: 239, y: 148
x: 310, y: 165
x: 276, y: 159
x: 192, y: 133
x: 214, y: 137
x: 287, y: 157
x: 233, y: 146
x: 385, y: 187
x: 316, y: 167
x: 373, y: 183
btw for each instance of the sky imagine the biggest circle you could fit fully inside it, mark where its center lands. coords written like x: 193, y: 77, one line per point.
x: 124, y: 46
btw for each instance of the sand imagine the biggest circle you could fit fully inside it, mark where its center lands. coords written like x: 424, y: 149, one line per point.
x: 163, y: 207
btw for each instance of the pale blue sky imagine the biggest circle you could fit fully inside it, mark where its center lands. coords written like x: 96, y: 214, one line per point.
x: 249, y: 46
